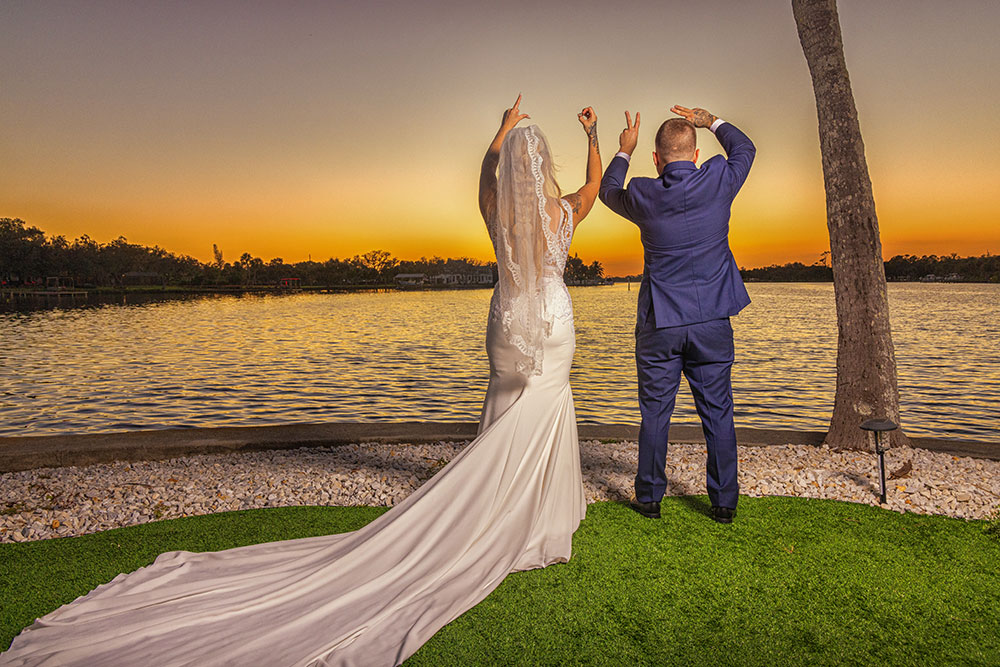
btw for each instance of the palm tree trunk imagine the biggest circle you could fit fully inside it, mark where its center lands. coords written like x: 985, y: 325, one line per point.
x: 866, y: 360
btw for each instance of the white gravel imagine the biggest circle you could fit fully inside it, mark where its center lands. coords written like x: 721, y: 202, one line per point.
x: 75, y: 500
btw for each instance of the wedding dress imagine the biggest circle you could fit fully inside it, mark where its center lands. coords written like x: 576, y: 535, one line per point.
x: 509, y: 501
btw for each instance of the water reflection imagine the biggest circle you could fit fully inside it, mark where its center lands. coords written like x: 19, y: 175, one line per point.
x: 221, y: 360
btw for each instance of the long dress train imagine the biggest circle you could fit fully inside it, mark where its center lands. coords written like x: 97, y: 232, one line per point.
x: 509, y: 501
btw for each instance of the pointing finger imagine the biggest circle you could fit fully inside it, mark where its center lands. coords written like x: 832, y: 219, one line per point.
x: 637, y: 120
x: 628, y: 121
x: 516, y: 104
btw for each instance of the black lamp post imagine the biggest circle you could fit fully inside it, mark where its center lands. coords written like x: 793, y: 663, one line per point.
x: 880, y: 426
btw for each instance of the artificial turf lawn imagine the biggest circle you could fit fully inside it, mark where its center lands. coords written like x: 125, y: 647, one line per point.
x: 793, y: 581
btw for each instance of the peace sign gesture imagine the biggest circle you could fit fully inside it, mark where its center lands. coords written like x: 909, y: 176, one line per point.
x: 630, y: 135
x: 513, y: 116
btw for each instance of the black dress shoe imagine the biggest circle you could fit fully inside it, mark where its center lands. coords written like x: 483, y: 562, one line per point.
x: 723, y: 514
x: 650, y: 510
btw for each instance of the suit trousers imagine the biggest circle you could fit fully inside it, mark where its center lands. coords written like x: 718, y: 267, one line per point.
x: 704, y: 353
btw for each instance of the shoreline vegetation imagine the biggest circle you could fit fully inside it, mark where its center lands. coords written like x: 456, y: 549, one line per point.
x: 33, y: 263
x: 183, y: 290
x: 900, y: 268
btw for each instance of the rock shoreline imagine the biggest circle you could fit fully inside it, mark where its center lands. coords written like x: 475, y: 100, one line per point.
x: 76, y: 500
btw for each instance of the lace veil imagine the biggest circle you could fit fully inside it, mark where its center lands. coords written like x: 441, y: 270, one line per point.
x: 524, y: 186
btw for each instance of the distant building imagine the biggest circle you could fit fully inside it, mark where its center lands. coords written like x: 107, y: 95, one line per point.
x: 479, y: 278
x: 411, y: 279
x: 950, y: 278
x: 447, y: 279
x: 290, y: 283
x: 590, y: 282
x: 59, y: 283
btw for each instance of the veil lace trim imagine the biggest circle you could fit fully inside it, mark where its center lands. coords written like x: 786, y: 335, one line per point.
x: 525, y: 244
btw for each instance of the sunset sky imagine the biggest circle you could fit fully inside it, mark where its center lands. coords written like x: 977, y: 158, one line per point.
x: 329, y: 129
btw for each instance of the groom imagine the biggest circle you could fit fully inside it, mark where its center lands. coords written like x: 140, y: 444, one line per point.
x: 690, y: 287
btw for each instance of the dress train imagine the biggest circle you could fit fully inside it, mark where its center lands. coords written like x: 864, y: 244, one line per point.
x: 509, y: 501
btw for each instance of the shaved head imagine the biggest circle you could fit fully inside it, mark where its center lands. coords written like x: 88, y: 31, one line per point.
x: 676, y: 140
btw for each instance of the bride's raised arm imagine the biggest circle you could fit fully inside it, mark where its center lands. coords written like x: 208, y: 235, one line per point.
x: 488, y: 173
x: 582, y: 200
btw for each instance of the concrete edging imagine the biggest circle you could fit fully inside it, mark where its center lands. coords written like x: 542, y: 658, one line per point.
x: 49, y: 451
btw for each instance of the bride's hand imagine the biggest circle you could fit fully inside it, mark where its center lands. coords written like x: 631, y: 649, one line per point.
x: 588, y: 118
x: 512, y: 116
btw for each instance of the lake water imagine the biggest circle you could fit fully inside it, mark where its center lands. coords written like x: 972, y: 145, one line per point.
x: 393, y: 356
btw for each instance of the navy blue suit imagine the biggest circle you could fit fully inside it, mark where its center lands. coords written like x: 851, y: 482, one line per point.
x: 690, y: 287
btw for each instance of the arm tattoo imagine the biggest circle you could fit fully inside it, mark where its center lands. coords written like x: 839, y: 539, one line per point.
x: 592, y: 133
x: 703, y: 119
x: 575, y: 201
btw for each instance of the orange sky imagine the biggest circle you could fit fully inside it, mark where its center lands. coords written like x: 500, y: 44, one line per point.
x: 332, y: 131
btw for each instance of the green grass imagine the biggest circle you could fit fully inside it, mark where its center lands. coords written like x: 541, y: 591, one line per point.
x: 993, y: 525
x: 793, y: 581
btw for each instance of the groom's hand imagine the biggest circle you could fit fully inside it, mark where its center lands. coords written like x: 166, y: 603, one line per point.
x: 699, y: 117
x: 629, y: 137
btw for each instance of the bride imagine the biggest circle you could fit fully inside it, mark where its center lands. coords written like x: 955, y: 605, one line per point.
x: 509, y: 501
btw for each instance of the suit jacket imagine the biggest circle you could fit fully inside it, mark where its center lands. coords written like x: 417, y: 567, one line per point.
x: 690, y: 275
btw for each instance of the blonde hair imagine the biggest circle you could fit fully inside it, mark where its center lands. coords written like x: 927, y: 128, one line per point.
x: 552, y: 188
x: 523, y: 161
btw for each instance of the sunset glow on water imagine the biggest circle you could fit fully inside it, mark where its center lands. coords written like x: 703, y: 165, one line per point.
x: 397, y: 356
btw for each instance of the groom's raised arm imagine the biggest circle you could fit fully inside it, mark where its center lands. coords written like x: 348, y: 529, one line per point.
x: 613, y: 192
x: 740, y: 153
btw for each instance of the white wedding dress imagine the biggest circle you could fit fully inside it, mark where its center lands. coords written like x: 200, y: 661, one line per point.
x: 511, y: 500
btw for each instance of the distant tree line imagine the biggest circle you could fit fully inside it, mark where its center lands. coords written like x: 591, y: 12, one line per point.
x: 982, y: 269
x: 901, y: 268
x: 28, y: 256
x: 579, y: 272
x: 793, y: 272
